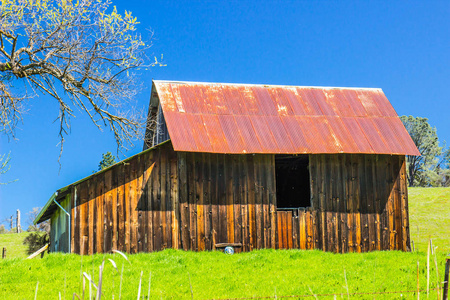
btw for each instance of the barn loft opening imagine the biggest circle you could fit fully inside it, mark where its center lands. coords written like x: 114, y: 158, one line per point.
x: 292, y: 181
x: 156, y: 130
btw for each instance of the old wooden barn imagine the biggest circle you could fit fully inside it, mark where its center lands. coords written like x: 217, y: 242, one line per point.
x: 252, y: 166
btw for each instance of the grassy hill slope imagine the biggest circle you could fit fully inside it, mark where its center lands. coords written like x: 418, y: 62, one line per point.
x: 429, y: 216
x: 258, y: 273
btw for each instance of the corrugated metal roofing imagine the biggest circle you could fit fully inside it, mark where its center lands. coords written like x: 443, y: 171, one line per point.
x: 238, y: 118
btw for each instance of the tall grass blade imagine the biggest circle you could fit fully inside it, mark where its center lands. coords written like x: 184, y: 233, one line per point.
x: 120, y: 287
x: 113, y: 263
x: 59, y: 295
x: 100, y: 278
x: 35, y: 293
x: 75, y: 295
x: 190, y: 285
x: 428, y: 267
x: 139, y: 290
x: 418, y: 282
x: 346, y: 284
x: 89, y: 278
x: 438, y: 285
x: 314, y: 295
x: 149, y: 285
x: 84, y: 287
x: 123, y: 255
x: 81, y: 275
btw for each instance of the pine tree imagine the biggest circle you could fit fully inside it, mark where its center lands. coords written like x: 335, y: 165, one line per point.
x: 107, y: 161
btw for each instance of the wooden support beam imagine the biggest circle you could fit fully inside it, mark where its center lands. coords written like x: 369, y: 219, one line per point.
x: 38, y: 252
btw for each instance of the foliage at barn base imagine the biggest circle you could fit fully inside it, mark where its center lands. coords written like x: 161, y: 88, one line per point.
x: 35, y: 241
x: 432, y: 168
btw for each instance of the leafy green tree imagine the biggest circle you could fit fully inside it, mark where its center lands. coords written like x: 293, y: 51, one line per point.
x: 423, y: 170
x: 446, y: 168
x: 5, y: 166
x: 107, y: 160
x: 81, y: 53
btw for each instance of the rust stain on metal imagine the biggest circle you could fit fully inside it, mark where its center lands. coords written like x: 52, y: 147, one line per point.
x: 234, y: 118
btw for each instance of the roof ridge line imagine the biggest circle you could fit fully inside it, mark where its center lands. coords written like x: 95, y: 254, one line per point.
x: 263, y: 85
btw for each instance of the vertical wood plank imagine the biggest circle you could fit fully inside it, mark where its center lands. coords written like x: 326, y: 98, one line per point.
x: 377, y: 202
x: 322, y: 199
x: 175, y: 212
x: 295, y: 230
x: 164, y: 183
x: 114, y: 225
x: 271, y: 184
x: 199, y: 162
x: 251, y: 202
x: 184, y: 203
x: 265, y: 206
x: 404, y: 205
x: 382, y: 184
x: 151, y: 161
x: 243, y: 191
x: 126, y: 204
x: 107, y: 223
x: 91, y: 217
x: 222, y: 194
x: 337, y: 196
x: 237, y: 215
x: 364, y: 203
x: 301, y: 230
x: 156, y: 202
x: 143, y: 207
x: 74, y: 220
x: 371, y: 221
x: 397, y: 200
x: 391, y: 193
x: 100, y: 212
x: 229, y: 193
x: 289, y: 229
x: 120, y: 208
x: 133, y: 205
x: 214, y: 200
x: 343, y: 200
x: 280, y: 229
x: 140, y: 235
x: 192, y: 176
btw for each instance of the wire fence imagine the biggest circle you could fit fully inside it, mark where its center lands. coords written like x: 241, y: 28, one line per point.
x: 328, y: 295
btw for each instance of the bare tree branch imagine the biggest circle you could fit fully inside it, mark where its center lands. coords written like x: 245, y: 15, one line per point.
x: 85, y: 49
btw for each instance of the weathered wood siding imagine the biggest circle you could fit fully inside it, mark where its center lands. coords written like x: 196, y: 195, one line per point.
x: 129, y: 207
x: 59, y: 233
x: 227, y: 199
x: 359, y: 204
x: 164, y: 199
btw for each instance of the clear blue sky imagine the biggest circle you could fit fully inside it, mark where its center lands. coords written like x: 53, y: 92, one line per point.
x: 401, y: 47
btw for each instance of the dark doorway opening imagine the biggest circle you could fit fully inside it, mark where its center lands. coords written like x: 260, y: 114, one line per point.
x: 292, y: 181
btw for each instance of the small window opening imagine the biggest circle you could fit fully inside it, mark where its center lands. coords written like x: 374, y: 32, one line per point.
x: 292, y: 181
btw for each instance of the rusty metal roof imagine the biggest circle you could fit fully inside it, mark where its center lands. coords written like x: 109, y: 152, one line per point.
x: 240, y: 118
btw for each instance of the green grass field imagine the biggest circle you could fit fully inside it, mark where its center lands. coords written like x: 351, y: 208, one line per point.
x: 259, y: 273
x: 14, y: 244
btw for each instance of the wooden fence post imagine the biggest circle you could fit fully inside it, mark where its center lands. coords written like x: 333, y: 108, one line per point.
x: 447, y: 270
x: 4, y: 252
x: 19, y: 229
